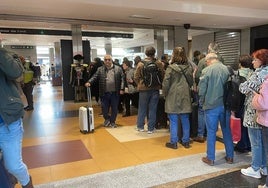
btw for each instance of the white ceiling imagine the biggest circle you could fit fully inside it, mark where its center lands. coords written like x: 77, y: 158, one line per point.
x: 115, y: 16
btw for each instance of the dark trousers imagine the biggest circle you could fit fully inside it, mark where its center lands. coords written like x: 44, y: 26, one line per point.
x: 110, y: 99
x: 128, y: 97
x: 28, y: 92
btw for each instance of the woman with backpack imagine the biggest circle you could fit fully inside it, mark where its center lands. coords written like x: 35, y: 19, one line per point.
x: 258, y: 165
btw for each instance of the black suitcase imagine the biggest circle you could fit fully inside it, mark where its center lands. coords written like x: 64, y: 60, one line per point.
x: 161, y: 115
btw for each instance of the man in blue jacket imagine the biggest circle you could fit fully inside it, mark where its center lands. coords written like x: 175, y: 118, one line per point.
x: 11, y: 112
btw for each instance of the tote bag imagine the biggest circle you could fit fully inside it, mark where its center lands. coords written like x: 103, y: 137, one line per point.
x: 235, y: 125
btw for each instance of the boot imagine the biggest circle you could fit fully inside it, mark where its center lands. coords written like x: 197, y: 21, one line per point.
x: 29, y: 184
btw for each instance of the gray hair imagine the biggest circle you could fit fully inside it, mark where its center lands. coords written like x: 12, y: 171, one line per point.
x: 211, y: 56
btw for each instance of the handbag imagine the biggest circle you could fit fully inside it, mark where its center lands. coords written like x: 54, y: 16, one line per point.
x: 235, y: 125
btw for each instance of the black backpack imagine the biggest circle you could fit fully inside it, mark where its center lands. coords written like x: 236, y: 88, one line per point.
x: 152, y: 76
x: 233, y: 99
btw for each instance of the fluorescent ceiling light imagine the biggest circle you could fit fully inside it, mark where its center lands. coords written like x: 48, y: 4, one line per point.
x: 140, y: 17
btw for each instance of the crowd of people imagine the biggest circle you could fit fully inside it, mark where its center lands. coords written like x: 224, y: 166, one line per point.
x: 201, y: 81
x: 180, y: 81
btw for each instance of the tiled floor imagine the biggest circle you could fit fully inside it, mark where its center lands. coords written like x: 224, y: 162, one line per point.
x: 54, y: 149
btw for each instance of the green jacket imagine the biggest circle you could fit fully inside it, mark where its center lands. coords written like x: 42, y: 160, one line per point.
x: 176, y: 88
x: 11, y: 106
x: 211, y: 85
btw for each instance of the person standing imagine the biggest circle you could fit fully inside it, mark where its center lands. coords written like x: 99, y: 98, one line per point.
x: 111, y: 85
x: 260, y: 103
x: 211, y: 90
x: 245, y: 64
x: 177, y: 82
x: 148, y: 96
x: 258, y: 164
x: 213, y: 47
x: 11, y: 125
x: 130, y: 86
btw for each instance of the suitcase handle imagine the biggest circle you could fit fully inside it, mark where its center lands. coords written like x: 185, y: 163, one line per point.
x: 89, y: 97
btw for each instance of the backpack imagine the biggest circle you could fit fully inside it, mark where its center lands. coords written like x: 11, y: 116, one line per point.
x: 152, y: 76
x: 233, y: 99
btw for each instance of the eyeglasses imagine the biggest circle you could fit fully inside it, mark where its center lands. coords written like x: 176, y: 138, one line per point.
x: 107, y: 59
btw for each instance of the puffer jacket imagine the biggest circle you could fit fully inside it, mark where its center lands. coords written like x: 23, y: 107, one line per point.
x: 253, y: 83
x: 101, y: 76
x: 176, y: 88
x: 138, y: 75
x: 11, y: 106
x: 260, y: 103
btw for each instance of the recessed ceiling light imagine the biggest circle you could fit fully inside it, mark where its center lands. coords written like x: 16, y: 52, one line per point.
x: 140, y: 17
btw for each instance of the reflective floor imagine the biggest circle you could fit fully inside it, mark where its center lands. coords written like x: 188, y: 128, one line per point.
x: 54, y: 149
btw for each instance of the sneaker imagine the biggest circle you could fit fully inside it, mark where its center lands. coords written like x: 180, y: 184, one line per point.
x: 208, y: 161
x: 106, y: 123
x: 113, y: 125
x: 139, y: 129
x: 172, y: 146
x: 263, y: 171
x: 251, y: 172
x: 262, y: 186
x: 150, y: 132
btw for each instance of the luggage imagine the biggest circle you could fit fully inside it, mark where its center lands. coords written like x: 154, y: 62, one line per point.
x: 86, y: 116
x: 161, y: 115
x: 194, y: 121
x: 235, y: 125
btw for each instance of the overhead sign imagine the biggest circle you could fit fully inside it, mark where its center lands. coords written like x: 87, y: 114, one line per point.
x: 62, y: 33
x: 21, y: 47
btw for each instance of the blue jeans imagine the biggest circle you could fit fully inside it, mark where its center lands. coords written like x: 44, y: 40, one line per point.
x: 11, y: 146
x: 174, y: 118
x: 201, y: 122
x: 265, y: 145
x: 110, y: 99
x: 257, y: 148
x: 212, y: 118
x: 148, y: 100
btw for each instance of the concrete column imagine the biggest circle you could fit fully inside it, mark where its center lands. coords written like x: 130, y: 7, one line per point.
x: 57, y: 59
x: 159, y: 42
x: 108, y: 48
x: 245, y: 41
x: 93, y: 54
x: 170, y: 39
x: 77, y: 39
x: 181, y: 37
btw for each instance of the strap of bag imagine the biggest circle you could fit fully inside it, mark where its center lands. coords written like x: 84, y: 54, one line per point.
x: 185, y: 77
x: 89, y: 97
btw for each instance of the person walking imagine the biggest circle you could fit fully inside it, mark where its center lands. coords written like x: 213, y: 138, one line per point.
x: 111, y: 85
x: 211, y: 91
x: 11, y: 113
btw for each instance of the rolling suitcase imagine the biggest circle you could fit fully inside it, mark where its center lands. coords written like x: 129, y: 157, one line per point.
x: 86, y: 116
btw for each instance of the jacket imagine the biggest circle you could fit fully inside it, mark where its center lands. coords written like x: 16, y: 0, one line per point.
x: 211, y: 85
x: 11, y: 106
x: 260, y: 103
x: 138, y: 75
x: 253, y: 83
x: 176, y: 88
x: 101, y: 76
x: 132, y: 87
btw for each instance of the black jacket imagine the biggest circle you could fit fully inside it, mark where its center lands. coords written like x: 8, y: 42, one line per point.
x: 100, y: 76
